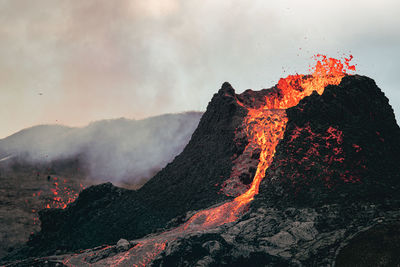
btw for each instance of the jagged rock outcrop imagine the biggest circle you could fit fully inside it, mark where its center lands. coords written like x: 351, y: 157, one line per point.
x: 339, y: 147
x: 103, y: 214
x: 333, y: 181
x: 287, y: 237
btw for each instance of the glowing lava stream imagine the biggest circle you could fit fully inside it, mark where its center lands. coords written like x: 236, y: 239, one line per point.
x: 264, y: 127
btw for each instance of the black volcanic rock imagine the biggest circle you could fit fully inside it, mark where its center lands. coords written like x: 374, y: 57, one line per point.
x: 301, y: 217
x: 189, y: 182
x: 333, y: 181
x: 377, y: 246
x: 103, y: 214
x: 343, y: 145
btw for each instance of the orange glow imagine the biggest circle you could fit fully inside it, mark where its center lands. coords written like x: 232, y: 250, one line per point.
x: 264, y: 128
x: 61, y: 196
x: 327, y: 71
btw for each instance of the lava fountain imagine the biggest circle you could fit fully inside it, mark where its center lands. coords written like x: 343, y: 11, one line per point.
x: 264, y: 127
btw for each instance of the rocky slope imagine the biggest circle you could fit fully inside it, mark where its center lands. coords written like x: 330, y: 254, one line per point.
x: 329, y: 197
x: 341, y: 146
x: 330, y: 194
x: 47, y: 165
x: 20, y: 201
x: 103, y: 214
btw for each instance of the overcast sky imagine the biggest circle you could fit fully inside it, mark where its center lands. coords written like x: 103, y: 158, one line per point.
x: 73, y: 62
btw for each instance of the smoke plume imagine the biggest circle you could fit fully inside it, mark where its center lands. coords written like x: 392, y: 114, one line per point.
x: 166, y: 56
x: 119, y: 150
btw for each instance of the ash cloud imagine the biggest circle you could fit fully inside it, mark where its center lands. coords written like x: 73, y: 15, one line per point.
x: 98, y: 59
x: 119, y: 150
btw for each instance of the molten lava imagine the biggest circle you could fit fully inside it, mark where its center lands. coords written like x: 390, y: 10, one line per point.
x: 264, y: 127
x: 63, y: 193
x: 60, y: 193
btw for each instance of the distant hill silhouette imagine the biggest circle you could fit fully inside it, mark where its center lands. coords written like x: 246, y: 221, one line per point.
x: 118, y: 150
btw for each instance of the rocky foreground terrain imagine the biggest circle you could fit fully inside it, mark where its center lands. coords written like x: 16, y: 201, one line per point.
x: 47, y: 166
x: 21, y: 201
x: 329, y: 198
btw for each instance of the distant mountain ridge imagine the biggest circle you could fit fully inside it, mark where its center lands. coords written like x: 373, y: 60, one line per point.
x: 115, y: 150
x: 333, y: 183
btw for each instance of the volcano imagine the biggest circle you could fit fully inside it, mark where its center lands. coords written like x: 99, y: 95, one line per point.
x: 302, y: 174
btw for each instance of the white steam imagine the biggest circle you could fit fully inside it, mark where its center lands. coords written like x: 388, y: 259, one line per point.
x: 113, y: 150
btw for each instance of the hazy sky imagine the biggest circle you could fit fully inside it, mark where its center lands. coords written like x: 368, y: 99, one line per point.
x: 72, y: 62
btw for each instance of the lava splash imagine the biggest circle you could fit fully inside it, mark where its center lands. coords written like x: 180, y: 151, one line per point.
x: 264, y: 127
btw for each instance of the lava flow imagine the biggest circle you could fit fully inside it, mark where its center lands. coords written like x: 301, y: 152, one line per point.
x: 264, y: 127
